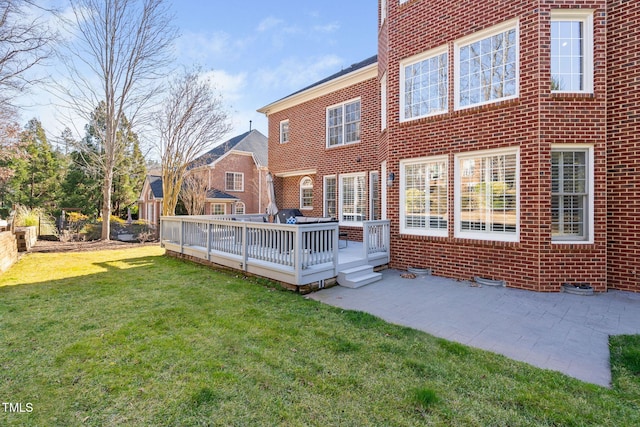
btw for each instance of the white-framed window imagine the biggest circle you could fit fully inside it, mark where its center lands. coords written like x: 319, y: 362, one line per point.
x: 487, y: 199
x: 423, y: 196
x: 353, y: 198
x: 383, y: 102
x: 306, y: 193
x: 234, y: 181
x: 572, y: 50
x: 572, y: 193
x: 239, y: 208
x: 374, y: 195
x: 330, y: 196
x: 487, y: 66
x: 284, y: 131
x: 343, y: 123
x: 424, y: 84
x: 218, y: 209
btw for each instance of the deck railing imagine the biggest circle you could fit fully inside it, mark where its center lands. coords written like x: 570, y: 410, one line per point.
x: 376, y: 236
x: 298, y: 254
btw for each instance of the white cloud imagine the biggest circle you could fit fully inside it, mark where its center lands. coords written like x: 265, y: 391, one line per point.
x: 231, y: 86
x: 296, y: 73
x: 327, y: 28
x: 269, y: 23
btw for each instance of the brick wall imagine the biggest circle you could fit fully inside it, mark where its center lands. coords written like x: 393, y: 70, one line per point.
x: 8, y: 250
x: 254, y: 195
x: 532, y: 122
x: 623, y: 144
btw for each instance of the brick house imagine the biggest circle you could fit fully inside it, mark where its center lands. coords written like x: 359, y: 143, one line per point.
x: 500, y: 139
x: 236, y: 171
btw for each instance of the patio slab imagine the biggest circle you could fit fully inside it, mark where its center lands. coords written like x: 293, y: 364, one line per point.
x: 557, y: 331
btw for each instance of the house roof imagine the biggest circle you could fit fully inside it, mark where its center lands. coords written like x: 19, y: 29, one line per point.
x: 355, y: 73
x: 252, y: 141
x: 155, y: 183
x: 217, y: 194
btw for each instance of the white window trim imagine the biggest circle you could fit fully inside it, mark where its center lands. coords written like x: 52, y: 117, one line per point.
x: 412, y: 60
x: 224, y: 208
x: 306, y: 187
x: 340, y: 200
x: 244, y: 208
x: 586, y: 17
x: 497, y: 29
x: 325, y: 212
x: 326, y: 127
x: 383, y: 102
x: 283, y: 141
x: 403, y: 196
x: 590, y: 222
x: 241, y: 184
x: 484, y: 235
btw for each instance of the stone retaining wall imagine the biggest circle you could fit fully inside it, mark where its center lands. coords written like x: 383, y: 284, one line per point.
x: 8, y: 250
x: 26, y: 238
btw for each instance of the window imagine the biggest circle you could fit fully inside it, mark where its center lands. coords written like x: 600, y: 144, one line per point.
x: 383, y: 102
x: 572, y: 50
x: 374, y: 195
x: 217, y: 209
x: 571, y: 201
x: 424, y: 85
x: 353, y: 198
x: 423, y: 196
x: 330, y: 201
x: 486, y: 199
x: 234, y: 181
x: 487, y: 66
x: 306, y: 193
x: 343, y: 124
x: 239, y: 208
x: 284, y: 131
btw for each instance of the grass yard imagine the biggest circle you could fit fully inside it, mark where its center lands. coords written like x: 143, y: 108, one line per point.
x: 130, y: 337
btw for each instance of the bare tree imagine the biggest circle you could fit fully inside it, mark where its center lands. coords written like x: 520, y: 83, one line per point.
x: 193, y: 192
x: 10, y: 144
x: 26, y: 40
x: 118, y: 51
x: 192, y: 118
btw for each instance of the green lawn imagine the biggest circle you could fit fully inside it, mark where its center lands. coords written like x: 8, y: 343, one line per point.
x: 131, y: 337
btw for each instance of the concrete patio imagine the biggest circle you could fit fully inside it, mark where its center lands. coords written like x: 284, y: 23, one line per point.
x: 559, y: 331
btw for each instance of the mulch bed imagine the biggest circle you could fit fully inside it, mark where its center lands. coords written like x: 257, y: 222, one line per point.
x: 95, y: 245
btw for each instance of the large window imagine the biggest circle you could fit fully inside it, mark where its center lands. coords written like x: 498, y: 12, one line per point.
x: 374, y: 195
x: 306, y: 193
x: 487, y: 66
x: 330, y: 197
x: 571, y: 199
x: 423, y: 196
x: 343, y: 123
x: 424, y: 85
x: 353, y: 198
x: 486, y: 197
x: 284, y: 131
x: 572, y: 50
x: 234, y: 181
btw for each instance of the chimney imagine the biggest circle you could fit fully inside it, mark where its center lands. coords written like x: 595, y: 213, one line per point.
x: 250, y: 121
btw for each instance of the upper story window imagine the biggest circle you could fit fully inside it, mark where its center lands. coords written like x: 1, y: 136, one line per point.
x: 343, y: 123
x: 486, y: 195
x: 487, y: 66
x: 571, y: 193
x: 234, y: 181
x: 284, y: 131
x: 424, y: 84
x: 572, y: 50
x: 306, y: 193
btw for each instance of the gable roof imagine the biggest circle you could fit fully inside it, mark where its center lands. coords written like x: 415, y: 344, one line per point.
x: 356, y: 73
x: 252, y: 141
x: 155, y: 183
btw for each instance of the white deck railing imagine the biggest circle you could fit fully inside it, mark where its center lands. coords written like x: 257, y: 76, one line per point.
x: 298, y: 254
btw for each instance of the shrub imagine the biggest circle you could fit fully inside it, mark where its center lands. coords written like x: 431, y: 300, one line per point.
x: 45, y: 224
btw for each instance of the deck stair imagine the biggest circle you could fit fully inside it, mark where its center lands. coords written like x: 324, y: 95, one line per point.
x: 356, y: 277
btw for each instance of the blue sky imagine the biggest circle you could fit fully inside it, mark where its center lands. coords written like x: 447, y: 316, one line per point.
x: 261, y: 51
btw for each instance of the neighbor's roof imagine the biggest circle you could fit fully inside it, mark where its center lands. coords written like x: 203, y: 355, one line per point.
x: 217, y: 194
x: 155, y: 182
x: 252, y: 141
x: 356, y: 73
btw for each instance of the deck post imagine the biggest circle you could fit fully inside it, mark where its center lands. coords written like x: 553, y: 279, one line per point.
x: 182, y: 224
x: 297, y: 253
x: 209, y: 241
x: 365, y: 239
x: 245, y: 248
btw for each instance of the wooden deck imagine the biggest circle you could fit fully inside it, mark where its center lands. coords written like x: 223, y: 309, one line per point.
x: 298, y: 254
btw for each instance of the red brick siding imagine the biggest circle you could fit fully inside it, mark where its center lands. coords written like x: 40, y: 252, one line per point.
x: 623, y: 144
x: 531, y: 122
x: 254, y: 195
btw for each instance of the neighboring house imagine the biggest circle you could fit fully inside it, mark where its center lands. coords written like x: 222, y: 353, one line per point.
x: 504, y: 134
x: 236, y: 171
